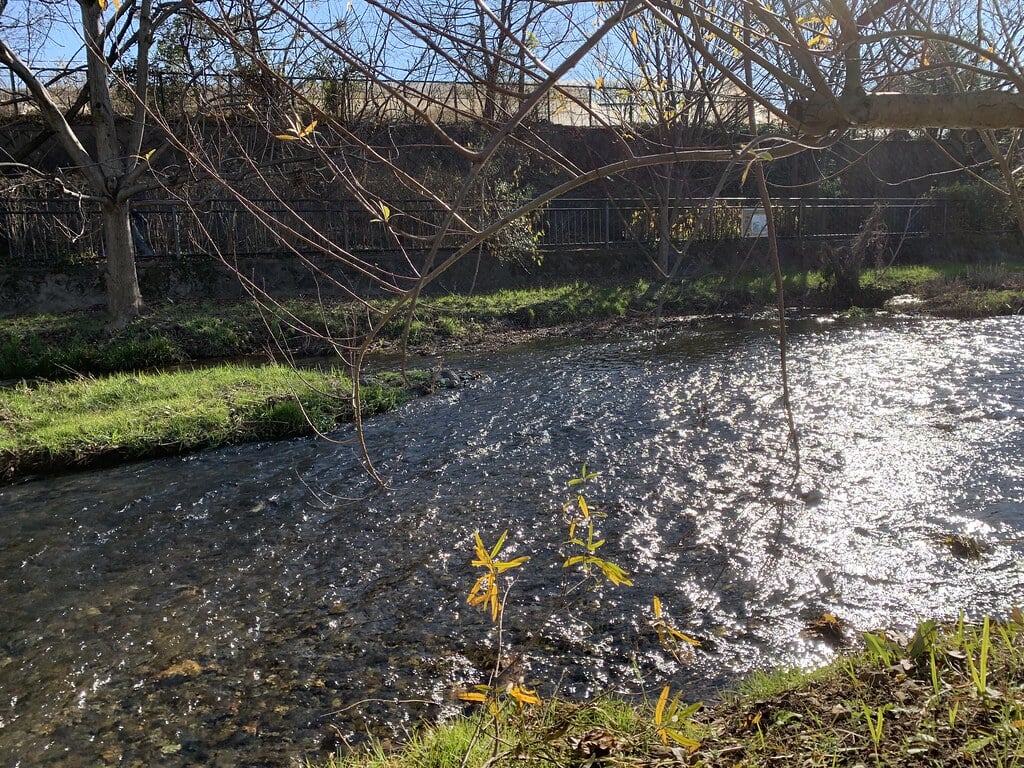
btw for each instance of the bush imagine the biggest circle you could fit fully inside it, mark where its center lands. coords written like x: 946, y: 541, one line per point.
x: 970, y: 208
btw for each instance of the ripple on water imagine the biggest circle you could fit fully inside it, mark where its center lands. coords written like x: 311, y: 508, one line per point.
x: 302, y: 599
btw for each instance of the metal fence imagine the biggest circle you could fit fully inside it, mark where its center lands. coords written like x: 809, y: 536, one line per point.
x: 354, y: 100
x: 48, y: 231
x: 609, y: 222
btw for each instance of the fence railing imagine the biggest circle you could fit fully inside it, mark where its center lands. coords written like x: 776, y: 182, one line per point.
x: 356, y: 100
x: 47, y: 231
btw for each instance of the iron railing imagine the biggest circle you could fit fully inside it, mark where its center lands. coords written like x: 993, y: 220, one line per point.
x: 41, y: 231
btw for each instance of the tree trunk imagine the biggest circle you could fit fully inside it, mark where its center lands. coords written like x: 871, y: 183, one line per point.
x: 124, y: 301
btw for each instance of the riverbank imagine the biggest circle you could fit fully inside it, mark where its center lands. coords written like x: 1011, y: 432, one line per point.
x: 78, y: 343
x: 61, y: 417
x: 90, y: 422
x: 949, y: 695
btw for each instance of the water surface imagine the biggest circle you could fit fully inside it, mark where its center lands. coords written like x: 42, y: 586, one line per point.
x: 301, y: 601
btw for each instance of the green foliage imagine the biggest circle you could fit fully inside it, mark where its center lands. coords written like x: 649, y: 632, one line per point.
x: 519, y: 240
x: 284, y: 417
x: 971, y: 207
x: 866, y: 708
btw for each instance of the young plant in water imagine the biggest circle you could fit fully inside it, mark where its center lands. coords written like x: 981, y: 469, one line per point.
x: 679, y: 644
x: 502, y: 696
x: 578, y: 512
x: 486, y: 594
x: 485, y: 591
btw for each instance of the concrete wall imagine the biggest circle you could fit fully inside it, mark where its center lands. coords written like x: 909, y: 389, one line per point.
x: 25, y: 291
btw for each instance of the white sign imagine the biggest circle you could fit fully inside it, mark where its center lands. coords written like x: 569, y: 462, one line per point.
x: 755, y: 223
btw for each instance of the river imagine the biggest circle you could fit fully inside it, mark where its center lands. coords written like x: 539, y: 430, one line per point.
x: 249, y: 605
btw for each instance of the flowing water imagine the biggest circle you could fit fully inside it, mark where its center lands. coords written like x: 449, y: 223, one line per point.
x: 248, y: 606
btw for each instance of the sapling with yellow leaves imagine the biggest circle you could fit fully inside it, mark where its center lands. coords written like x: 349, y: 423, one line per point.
x: 484, y: 593
x: 503, y: 696
x: 671, y: 719
x: 579, y: 512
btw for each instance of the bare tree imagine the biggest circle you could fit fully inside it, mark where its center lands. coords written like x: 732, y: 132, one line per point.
x: 118, y: 167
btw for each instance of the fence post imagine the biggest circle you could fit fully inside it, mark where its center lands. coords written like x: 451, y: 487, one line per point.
x: 177, y: 231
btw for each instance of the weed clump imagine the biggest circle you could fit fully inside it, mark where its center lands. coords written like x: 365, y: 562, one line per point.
x: 949, y: 694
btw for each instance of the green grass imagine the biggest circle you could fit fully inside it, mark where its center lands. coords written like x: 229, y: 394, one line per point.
x: 86, y: 421
x: 950, y: 695
x: 64, y: 346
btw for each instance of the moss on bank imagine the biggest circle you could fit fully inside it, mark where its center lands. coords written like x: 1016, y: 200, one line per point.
x: 86, y: 422
x: 945, y: 696
x: 78, y: 343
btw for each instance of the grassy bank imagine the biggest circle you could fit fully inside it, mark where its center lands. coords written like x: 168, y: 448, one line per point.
x: 78, y: 343
x: 60, y: 346
x: 86, y: 422
x: 951, y: 695
x: 946, y: 289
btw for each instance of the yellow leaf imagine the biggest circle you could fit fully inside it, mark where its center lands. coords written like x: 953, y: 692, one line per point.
x: 685, y: 741
x: 485, y: 594
x: 503, y: 566
x: 308, y: 129
x: 286, y: 137
x: 613, y: 573
x: 470, y: 696
x: 683, y: 636
x: 524, y: 696
x: 583, y: 506
x: 659, y: 708
x: 600, y: 82
x: 501, y: 539
x: 657, y: 607
x: 634, y: 37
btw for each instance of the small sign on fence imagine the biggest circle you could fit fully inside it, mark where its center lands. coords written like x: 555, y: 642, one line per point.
x: 755, y: 223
